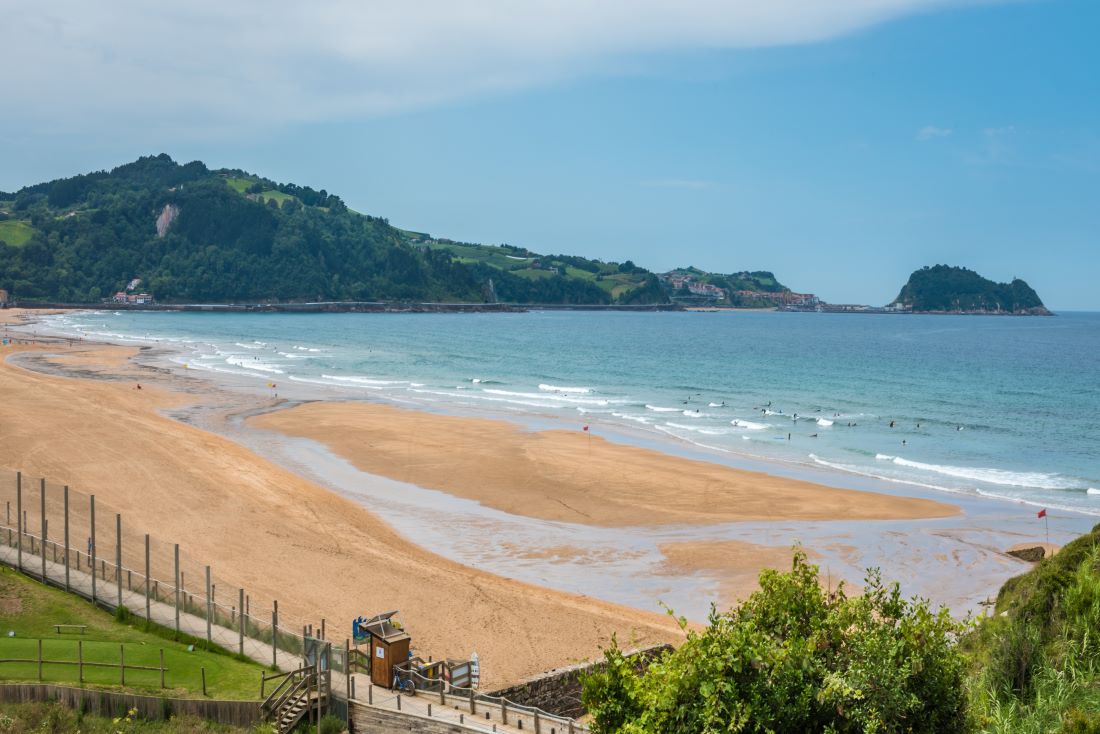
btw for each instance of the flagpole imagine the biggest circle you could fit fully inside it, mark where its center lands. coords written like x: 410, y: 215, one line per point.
x: 1046, y: 523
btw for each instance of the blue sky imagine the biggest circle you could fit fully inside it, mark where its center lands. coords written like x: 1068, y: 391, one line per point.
x: 839, y: 152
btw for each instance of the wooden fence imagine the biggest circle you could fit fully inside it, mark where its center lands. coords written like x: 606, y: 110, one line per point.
x: 81, y: 663
x: 108, y: 703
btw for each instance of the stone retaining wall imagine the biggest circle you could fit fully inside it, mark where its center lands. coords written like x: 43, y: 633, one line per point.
x: 559, y: 691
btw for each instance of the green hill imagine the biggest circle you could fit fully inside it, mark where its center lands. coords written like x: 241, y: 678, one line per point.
x: 192, y: 234
x: 947, y: 289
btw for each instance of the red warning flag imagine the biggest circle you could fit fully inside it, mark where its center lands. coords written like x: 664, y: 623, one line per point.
x: 585, y: 428
x: 1043, y: 512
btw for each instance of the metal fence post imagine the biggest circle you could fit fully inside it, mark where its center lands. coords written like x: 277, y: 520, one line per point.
x: 240, y: 622
x: 118, y: 554
x: 43, y: 503
x: 177, y: 588
x: 66, y: 537
x: 92, y: 551
x: 147, y: 581
x: 19, y: 519
x: 209, y: 608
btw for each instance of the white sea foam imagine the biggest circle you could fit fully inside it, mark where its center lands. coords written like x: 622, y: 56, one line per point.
x: 556, y: 388
x: 824, y: 422
x: 1001, y: 477
x: 252, y: 364
x: 636, y: 418
x: 658, y: 409
x: 1093, y: 491
x: 356, y: 380
x: 556, y: 398
x: 249, y: 346
x: 748, y: 425
x: 768, y: 411
x: 694, y: 414
x: 884, y: 457
x: 716, y: 405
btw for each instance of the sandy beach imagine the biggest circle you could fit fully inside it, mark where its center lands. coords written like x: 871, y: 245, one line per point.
x: 570, y: 476
x: 73, y: 414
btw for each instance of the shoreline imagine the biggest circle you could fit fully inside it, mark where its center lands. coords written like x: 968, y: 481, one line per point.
x: 958, y: 560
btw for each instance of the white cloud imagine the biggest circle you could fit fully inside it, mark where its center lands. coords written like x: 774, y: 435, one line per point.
x: 931, y: 132
x: 204, y: 67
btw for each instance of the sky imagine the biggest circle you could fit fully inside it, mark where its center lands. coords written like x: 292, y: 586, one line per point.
x: 840, y: 145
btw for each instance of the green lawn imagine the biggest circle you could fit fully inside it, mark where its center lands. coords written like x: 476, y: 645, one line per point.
x: 30, y: 610
x: 15, y: 231
x: 238, y: 184
x: 278, y: 196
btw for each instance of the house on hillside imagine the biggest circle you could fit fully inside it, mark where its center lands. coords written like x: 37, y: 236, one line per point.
x: 3, y: 297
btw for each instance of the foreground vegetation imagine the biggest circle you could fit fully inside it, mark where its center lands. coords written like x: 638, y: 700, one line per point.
x: 54, y: 718
x: 797, y: 657
x: 29, y: 611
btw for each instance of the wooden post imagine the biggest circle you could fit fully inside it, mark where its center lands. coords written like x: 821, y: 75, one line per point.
x: 42, y: 497
x: 370, y: 692
x: 118, y: 555
x: 322, y: 628
x: 209, y: 607
x: 347, y: 667
x: 66, y: 537
x: 122, y: 664
x: 398, y: 701
x: 351, y: 684
x: 275, y: 635
x: 536, y: 716
x: 203, y: 672
x: 429, y: 711
x: 91, y: 557
x: 19, y: 522
x: 473, y: 706
x: 147, y: 617
x: 39, y: 658
x: 240, y: 626
x: 177, y: 554
x: 504, y: 711
x: 80, y: 660
x: 162, y: 667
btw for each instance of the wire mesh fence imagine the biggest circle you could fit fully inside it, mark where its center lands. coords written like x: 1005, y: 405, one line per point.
x: 80, y: 543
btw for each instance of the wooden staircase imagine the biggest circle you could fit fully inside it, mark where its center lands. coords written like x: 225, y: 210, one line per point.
x: 296, y: 696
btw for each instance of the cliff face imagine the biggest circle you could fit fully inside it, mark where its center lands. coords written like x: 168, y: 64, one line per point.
x: 947, y: 289
x: 165, y: 218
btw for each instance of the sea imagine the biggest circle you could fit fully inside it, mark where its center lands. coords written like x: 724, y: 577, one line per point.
x: 998, y: 407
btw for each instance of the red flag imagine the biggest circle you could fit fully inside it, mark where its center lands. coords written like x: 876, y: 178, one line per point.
x: 585, y: 428
x: 1043, y: 512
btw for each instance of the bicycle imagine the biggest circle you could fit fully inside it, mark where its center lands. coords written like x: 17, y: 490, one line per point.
x: 403, y: 685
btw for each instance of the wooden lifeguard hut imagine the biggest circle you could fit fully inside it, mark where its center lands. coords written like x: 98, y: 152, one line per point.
x: 389, y: 646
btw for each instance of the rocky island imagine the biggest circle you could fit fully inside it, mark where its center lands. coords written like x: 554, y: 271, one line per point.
x: 949, y: 289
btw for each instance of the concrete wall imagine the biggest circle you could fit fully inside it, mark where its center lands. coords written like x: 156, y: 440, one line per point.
x: 559, y: 691
x: 369, y: 720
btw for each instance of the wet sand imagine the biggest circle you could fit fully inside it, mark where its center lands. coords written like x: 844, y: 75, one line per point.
x: 274, y: 532
x: 570, y: 476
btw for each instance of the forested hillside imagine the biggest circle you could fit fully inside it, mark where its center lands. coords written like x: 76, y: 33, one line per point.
x: 953, y: 289
x: 192, y: 234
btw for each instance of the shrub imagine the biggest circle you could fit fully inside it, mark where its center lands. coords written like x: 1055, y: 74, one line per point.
x: 795, y: 657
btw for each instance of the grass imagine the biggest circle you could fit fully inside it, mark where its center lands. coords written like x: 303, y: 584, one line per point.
x: 30, y: 610
x: 51, y: 718
x: 238, y: 184
x: 15, y: 232
x: 278, y: 196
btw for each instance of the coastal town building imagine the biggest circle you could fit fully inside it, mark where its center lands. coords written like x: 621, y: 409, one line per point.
x: 3, y: 297
x: 132, y: 299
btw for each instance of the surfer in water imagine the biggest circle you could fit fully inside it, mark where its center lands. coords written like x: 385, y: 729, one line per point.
x: 891, y: 424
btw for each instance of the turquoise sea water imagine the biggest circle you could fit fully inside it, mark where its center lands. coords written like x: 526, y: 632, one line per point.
x: 997, y: 406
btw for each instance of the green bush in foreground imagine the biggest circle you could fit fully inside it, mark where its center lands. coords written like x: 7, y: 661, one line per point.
x: 796, y: 658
